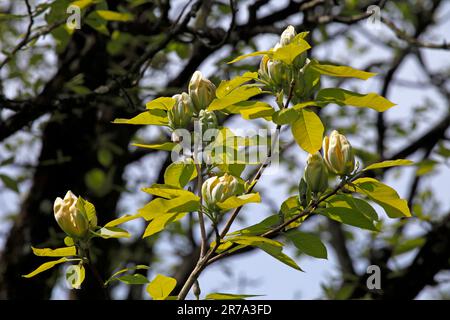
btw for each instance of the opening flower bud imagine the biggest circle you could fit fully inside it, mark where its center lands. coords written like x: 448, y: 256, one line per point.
x: 316, y: 173
x: 180, y: 114
x: 202, y: 91
x: 71, y: 220
x: 287, y: 36
x: 219, y: 189
x: 338, y: 154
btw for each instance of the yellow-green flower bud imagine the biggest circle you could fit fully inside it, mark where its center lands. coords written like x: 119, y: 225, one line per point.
x: 338, y: 154
x: 316, y: 173
x: 180, y: 115
x: 219, y: 189
x: 202, y: 91
x: 208, y: 120
x: 71, y: 220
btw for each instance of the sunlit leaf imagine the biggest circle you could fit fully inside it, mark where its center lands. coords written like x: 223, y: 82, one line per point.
x: 238, y: 201
x: 345, y: 97
x: 161, y: 287
x: 48, y: 265
x: 166, y: 146
x: 156, y: 117
x: 122, y: 219
x: 163, y: 103
x: 383, y: 195
x: 389, y: 163
x: 308, y: 131
x: 60, y: 252
x: 341, y: 71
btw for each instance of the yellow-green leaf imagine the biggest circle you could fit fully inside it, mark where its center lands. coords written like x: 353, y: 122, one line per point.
x: 122, y: 219
x: 229, y: 296
x: 163, y: 103
x: 60, y: 252
x: 167, y: 191
x: 114, y: 15
x: 239, y: 94
x: 161, y: 287
x: 238, y: 201
x: 186, y: 203
x: 308, y: 131
x: 113, y: 232
x: 160, y: 222
x: 341, y: 71
x: 226, y: 86
x: 389, y: 163
x: 346, y: 97
x: 179, y: 174
x: 383, y: 195
x: 48, y: 265
x: 254, y: 240
x: 156, y: 117
x: 261, y: 111
x: 288, y: 53
x: 253, y: 54
x: 166, y: 146
x: 75, y: 275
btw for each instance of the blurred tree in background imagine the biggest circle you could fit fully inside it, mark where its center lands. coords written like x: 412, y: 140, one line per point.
x: 60, y: 91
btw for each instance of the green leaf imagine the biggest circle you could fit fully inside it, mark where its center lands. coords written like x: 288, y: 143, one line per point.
x: 408, y: 245
x: 238, y: 201
x: 308, y: 131
x: 308, y: 243
x: 229, y: 296
x: 136, y: 278
x: 9, y: 183
x: 114, y: 276
x: 60, y: 252
x: 112, y: 232
x: 288, y: 53
x: 122, y: 219
x: 389, y: 163
x: 253, y: 54
x: 352, y: 211
x: 163, y: 103
x: 285, y: 116
x: 341, y: 71
x: 239, y: 94
x: 155, y: 117
x: 179, y: 174
x: 226, y: 86
x: 166, y: 146
x: 161, y: 287
x: 346, y: 97
x: 48, y: 265
x: 383, y: 195
x: 113, y: 15
x: 160, y: 222
x: 277, y: 253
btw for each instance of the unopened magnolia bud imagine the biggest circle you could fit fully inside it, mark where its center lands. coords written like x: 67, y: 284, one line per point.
x: 208, y: 120
x: 180, y: 114
x: 202, y: 91
x: 338, y: 154
x: 287, y: 36
x: 316, y: 173
x: 275, y: 73
x: 71, y: 220
x: 219, y: 189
